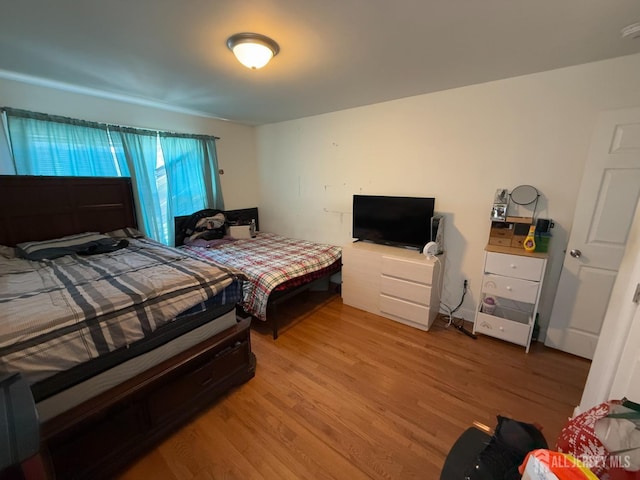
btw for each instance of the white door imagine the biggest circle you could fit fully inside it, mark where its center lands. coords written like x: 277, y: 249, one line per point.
x: 615, y: 370
x: 606, y: 205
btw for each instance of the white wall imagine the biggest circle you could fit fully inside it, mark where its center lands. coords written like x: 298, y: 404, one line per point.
x: 458, y: 145
x: 236, y: 147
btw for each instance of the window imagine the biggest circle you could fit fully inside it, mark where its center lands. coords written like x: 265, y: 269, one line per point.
x: 172, y: 174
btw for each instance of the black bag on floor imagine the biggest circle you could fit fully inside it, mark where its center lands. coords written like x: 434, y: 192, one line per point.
x: 506, y: 451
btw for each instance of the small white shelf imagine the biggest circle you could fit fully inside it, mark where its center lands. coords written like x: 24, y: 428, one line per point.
x: 510, y: 330
x: 510, y: 314
x: 514, y: 280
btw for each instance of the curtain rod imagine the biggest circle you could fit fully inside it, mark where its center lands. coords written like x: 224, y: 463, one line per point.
x: 75, y: 121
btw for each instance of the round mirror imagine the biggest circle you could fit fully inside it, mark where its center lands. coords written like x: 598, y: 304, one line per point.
x: 524, y: 195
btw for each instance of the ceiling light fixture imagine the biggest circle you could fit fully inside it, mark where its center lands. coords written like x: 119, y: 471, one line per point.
x: 252, y: 49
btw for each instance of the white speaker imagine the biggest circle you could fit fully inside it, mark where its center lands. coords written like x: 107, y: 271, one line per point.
x: 430, y: 249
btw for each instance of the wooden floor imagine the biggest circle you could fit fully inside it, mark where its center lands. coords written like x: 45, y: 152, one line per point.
x: 344, y: 394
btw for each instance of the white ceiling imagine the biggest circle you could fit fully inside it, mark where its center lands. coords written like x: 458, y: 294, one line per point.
x: 335, y: 54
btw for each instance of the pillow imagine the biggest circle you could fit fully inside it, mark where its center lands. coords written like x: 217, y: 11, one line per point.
x: 127, y: 232
x: 240, y: 231
x: 58, y: 247
x: 7, y: 252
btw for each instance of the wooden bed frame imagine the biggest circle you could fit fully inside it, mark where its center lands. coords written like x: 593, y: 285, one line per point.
x: 244, y: 216
x: 102, y: 435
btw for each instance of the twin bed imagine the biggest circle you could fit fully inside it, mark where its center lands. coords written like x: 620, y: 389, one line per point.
x: 121, y: 347
x: 276, y: 267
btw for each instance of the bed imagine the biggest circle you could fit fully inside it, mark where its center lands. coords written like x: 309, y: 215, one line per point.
x: 119, y: 347
x: 276, y: 267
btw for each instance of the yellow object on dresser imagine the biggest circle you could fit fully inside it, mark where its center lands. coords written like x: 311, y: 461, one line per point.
x: 529, y: 243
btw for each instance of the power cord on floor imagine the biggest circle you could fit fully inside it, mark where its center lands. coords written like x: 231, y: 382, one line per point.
x: 450, y: 311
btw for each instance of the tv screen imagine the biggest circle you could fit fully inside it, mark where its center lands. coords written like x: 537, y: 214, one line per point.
x: 402, y: 221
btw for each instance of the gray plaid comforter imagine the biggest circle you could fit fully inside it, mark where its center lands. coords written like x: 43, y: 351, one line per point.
x: 55, y: 314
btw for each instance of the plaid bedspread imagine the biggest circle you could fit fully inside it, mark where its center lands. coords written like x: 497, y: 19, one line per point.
x: 268, y: 261
x: 55, y: 314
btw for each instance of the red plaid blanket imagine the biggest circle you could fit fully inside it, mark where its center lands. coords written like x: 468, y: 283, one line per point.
x: 268, y: 261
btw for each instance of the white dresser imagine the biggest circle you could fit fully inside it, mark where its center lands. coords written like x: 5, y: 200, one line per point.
x: 393, y: 282
x: 513, y: 277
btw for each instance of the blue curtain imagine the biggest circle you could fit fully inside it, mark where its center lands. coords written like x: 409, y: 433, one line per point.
x: 7, y: 167
x: 172, y: 174
x: 212, y: 179
x: 140, y: 151
x: 189, y: 175
x: 48, y: 145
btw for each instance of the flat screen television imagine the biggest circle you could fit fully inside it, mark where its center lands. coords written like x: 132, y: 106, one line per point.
x: 400, y: 221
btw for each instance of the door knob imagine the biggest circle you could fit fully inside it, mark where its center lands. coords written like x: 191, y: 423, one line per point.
x: 575, y: 253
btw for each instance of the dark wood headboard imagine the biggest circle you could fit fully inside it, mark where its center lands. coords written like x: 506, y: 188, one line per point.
x: 42, y: 208
x: 242, y: 216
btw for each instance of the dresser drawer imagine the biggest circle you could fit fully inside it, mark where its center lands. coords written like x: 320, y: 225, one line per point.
x: 403, y: 309
x: 414, y: 270
x: 517, y: 266
x: 509, y: 287
x: 502, y: 328
x: 505, y: 242
x: 411, y: 291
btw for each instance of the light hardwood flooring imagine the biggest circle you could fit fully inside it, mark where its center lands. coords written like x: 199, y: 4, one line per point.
x: 345, y: 394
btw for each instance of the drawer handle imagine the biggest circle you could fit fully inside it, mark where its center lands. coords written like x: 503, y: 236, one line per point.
x: 502, y: 329
x: 513, y: 265
x: 509, y: 288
